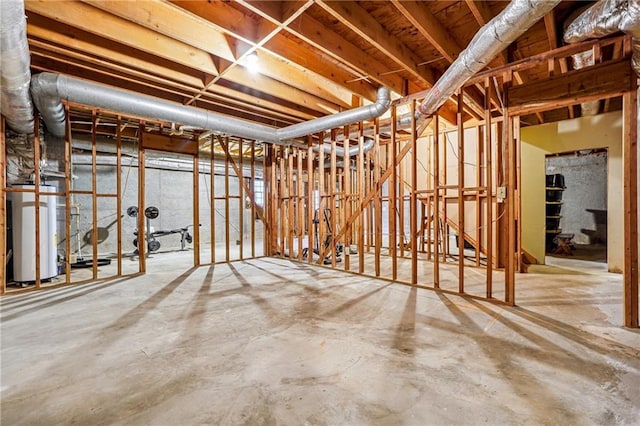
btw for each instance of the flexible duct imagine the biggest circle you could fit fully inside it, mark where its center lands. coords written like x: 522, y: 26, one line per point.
x: 14, y: 63
x: 490, y: 40
x: 48, y: 89
x: 607, y: 17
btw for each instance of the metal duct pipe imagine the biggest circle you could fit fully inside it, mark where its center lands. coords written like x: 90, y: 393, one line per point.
x: 582, y: 60
x: 490, y: 40
x: 340, y: 152
x: 48, y: 89
x: 14, y: 63
x: 607, y: 17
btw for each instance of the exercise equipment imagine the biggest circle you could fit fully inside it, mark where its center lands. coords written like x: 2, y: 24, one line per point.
x: 153, y: 244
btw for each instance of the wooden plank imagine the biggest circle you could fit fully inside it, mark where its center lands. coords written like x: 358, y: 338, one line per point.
x: 630, y: 195
x: 413, y: 196
x: 290, y: 203
x: 591, y: 83
x: 94, y: 199
x: 359, y: 213
x: 142, y: 232
x: 282, y: 216
x: 461, y: 165
x: 310, y: 199
x: 118, y: 192
x: 347, y: 191
x: 479, y: 169
x: 299, y: 203
x: 321, y: 205
x: 196, y: 211
x: 226, y: 200
x: 212, y: 203
x: 393, y: 203
x: 488, y: 143
x: 241, y: 186
x: 356, y: 18
x: 67, y: 195
x: 510, y: 161
x: 436, y: 200
x: 168, y: 143
x: 253, y: 203
x: 377, y: 199
x: 333, y: 194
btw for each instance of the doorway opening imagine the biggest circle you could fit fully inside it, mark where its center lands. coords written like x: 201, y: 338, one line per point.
x: 576, y: 205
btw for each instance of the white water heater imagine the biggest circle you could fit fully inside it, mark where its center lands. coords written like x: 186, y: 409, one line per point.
x: 23, y: 213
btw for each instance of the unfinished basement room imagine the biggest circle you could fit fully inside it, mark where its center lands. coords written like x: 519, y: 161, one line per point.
x: 319, y: 212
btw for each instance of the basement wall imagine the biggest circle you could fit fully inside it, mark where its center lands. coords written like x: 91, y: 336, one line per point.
x: 600, y: 131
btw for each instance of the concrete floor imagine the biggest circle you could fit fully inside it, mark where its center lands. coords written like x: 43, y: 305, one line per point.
x: 268, y: 341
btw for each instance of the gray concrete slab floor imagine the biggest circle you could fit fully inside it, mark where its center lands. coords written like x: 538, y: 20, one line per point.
x: 269, y: 341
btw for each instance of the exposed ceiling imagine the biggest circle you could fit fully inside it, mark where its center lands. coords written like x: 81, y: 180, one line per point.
x: 314, y: 57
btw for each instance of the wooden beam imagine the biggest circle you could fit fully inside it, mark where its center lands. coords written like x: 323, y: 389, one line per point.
x: 596, y: 82
x: 630, y: 205
x: 356, y: 18
x: 429, y: 27
x: 196, y: 210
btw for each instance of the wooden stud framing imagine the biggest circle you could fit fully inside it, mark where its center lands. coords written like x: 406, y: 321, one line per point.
x: 510, y: 154
x: 196, y: 210
x: 361, y: 188
x: 347, y: 204
x: 67, y: 196
x: 212, y: 202
x: 436, y: 201
x: 94, y: 199
x: 241, y: 183
x: 393, y: 204
x: 226, y: 200
x: 118, y: 193
x: 461, y: 184
x: 142, y: 232
x: 377, y: 201
x: 310, y: 200
x: 413, y: 196
x: 333, y: 196
x: 488, y: 131
x: 630, y: 196
x: 253, y: 204
x: 300, y: 203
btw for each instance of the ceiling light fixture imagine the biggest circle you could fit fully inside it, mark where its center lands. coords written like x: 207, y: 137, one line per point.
x: 252, y: 62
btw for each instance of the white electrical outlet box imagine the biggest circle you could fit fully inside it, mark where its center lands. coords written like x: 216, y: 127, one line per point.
x: 502, y: 194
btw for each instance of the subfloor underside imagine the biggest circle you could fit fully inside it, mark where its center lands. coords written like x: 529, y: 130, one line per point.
x: 272, y: 341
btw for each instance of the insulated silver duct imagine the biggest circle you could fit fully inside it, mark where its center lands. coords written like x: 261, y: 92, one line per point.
x: 48, y: 89
x: 490, y: 40
x: 14, y: 63
x: 607, y: 17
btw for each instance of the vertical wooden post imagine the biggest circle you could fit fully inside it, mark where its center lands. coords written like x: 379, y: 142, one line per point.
x: 333, y: 197
x: 290, y: 201
x: 67, y: 195
x: 401, y: 202
x: 310, y: 199
x: 3, y: 209
x: 282, y: 217
x: 241, y: 197
x: 461, y: 185
x: 142, y: 231
x: 630, y: 195
x: 436, y: 201
x: 321, y: 204
x: 212, y: 202
x: 361, y: 189
x: 196, y: 210
x: 413, y: 196
x: 377, y: 199
x: 226, y: 200
x: 479, y: 185
x: 510, y: 162
x: 94, y: 197
x: 36, y: 171
x: 300, y: 203
x: 393, y: 242
x: 118, y: 193
x: 488, y: 143
x: 253, y: 205
x: 347, y: 194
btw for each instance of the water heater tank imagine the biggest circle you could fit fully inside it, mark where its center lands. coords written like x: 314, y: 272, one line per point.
x: 24, y: 233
